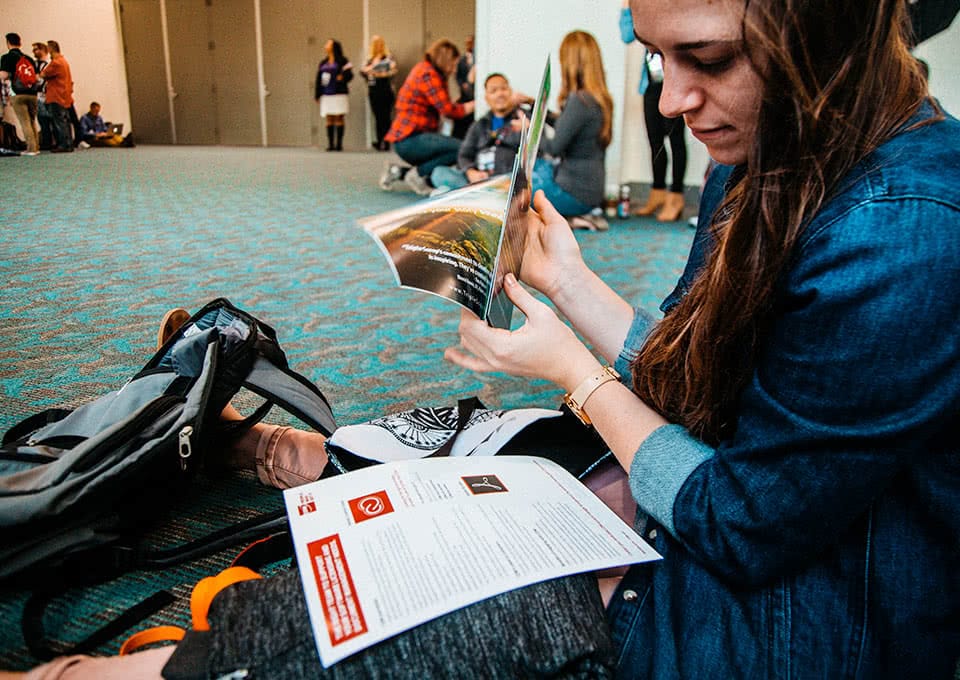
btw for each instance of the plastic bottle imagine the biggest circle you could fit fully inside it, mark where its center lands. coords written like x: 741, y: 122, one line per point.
x: 623, y: 205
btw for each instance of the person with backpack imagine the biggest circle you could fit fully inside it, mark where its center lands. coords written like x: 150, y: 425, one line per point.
x: 21, y: 71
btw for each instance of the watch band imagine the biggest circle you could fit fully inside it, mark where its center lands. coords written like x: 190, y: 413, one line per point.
x: 576, y: 399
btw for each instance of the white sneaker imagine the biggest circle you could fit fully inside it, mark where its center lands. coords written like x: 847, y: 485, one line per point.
x: 416, y: 183
x: 390, y: 176
x: 83, y: 145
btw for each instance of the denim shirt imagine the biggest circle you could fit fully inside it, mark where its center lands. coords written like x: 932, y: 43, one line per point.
x: 822, y: 539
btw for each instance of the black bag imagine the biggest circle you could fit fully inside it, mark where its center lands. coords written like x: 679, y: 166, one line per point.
x: 75, y: 485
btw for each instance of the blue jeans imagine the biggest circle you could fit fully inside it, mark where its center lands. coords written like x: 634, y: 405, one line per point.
x: 566, y: 205
x: 61, y: 125
x: 446, y: 176
x: 427, y: 150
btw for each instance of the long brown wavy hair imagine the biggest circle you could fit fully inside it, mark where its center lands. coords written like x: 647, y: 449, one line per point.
x: 839, y: 81
x: 581, y: 67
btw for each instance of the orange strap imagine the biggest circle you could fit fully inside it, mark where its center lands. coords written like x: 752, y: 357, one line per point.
x: 150, y: 636
x: 207, y: 589
x: 203, y: 594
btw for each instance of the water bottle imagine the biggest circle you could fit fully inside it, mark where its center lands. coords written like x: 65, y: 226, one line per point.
x: 623, y: 206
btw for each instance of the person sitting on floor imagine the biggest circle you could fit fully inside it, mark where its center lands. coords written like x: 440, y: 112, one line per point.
x: 422, y: 99
x: 95, y: 132
x: 574, y: 180
x: 490, y: 145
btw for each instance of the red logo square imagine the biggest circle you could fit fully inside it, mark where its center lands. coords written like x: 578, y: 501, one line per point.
x: 370, y: 506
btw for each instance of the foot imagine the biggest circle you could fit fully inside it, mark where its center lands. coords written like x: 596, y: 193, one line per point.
x: 391, y: 176
x: 417, y: 183
x: 655, y: 200
x: 672, y: 208
x: 170, y: 324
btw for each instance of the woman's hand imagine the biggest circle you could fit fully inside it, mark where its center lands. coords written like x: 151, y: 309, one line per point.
x: 551, y: 257
x: 543, y: 347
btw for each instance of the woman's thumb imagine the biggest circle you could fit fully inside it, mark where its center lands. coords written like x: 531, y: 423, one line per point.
x: 519, y: 296
x: 544, y: 207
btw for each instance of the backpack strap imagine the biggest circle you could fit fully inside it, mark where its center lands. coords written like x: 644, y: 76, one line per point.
x: 35, y: 636
x: 200, y: 600
x: 33, y: 423
x: 293, y: 392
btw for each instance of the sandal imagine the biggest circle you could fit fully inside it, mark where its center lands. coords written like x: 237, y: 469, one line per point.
x: 170, y: 324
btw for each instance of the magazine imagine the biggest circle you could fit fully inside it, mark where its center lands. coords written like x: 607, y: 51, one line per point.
x: 459, y: 245
x: 386, y: 548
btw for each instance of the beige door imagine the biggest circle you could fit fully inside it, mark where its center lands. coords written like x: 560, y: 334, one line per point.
x: 191, y: 66
x: 289, y: 67
x: 146, y: 72
x: 234, y: 42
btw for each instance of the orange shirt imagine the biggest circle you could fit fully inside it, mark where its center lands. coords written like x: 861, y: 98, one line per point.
x: 59, y: 82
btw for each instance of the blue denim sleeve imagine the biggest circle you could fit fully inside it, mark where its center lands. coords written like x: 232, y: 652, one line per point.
x: 639, y: 330
x: 857, y: 376
x: 667, y: 457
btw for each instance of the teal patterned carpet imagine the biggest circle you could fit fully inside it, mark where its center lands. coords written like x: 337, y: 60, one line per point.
x: 115, y: 237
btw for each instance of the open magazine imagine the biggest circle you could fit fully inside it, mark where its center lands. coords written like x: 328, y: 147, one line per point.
x: 459, y: 245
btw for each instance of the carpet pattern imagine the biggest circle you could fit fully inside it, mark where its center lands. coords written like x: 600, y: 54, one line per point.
x: 115, y: 237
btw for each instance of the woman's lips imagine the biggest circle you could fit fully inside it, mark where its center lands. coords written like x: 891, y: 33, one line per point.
x: 711, y: 135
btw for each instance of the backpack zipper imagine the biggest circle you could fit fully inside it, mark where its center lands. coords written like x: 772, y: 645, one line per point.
x: 184, y: 446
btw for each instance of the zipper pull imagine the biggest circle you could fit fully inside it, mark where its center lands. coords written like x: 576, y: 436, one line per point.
x: 185, y: 448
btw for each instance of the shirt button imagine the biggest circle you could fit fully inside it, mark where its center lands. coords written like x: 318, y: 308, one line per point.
x: 630, y: 595
x: 653, y: 534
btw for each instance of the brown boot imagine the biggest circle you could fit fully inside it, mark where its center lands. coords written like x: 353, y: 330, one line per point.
x: 672, y: 208
x: 654, y: 201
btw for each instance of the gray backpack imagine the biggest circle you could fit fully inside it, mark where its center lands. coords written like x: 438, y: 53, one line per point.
x: 73, y: 483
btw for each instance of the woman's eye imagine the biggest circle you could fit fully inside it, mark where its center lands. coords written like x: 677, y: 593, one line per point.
x: 714, y: 65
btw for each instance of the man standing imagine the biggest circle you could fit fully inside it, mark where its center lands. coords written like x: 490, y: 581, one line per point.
x: 41, y: 56
x: 58, y: 85
x: 20, y: 70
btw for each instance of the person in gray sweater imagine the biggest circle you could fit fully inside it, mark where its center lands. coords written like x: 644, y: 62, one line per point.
x: 573, y: 179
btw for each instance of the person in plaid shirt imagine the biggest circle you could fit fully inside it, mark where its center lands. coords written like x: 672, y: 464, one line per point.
x: 422, y: 99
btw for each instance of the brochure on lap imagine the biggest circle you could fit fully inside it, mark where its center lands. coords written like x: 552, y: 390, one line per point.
x: 459, y: 245
x: 386, y: 548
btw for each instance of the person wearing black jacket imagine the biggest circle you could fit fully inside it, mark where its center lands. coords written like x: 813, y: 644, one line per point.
x: 333, y: 74
x: 491, y: 143
x: 24, y: 100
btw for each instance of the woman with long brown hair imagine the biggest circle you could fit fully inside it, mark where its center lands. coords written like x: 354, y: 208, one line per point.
x: 573, y: 182
x: 790, y: 426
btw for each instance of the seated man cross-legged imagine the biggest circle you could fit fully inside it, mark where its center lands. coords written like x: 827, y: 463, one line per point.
x: 491, y: 143
x: 98, y: 133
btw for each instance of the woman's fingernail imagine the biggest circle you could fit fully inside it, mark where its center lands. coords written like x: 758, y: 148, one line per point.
x: 510, y: 280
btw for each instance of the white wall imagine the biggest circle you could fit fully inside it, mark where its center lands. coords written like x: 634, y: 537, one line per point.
x: 89, y: 37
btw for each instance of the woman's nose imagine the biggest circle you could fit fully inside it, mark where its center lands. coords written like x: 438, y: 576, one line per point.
x: 680, y: 93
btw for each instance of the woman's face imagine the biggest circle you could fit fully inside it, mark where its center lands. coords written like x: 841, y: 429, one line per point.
x: 708, y: 78
x: 328, y: 47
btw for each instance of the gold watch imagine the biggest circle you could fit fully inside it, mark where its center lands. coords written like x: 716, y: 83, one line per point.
x: 576, y: 399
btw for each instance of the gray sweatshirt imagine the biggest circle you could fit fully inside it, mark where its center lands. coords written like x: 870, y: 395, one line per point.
x: 576, y: 142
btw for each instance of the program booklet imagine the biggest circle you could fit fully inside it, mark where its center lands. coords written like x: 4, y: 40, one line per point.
x: 459, y: 245
x: 386, y: 548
